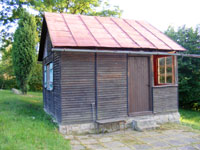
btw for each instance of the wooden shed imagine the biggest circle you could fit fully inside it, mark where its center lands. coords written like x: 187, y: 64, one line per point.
x: 102, y: 69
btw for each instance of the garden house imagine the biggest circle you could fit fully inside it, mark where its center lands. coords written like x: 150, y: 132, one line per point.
x: 105, y: 70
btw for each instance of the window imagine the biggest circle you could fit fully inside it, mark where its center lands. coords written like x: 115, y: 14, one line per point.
x: 48, y: 76
x: 164, y: 70
x: 45, y: 76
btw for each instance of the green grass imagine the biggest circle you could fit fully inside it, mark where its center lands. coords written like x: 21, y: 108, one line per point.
x: 190, y: 118
x: 25, y: 126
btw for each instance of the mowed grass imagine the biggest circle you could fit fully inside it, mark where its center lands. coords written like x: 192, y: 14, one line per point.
x: 190, y: 118
x: 25, y: 126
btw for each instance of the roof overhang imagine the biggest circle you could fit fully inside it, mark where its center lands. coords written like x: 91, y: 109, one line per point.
x: 171, y: 53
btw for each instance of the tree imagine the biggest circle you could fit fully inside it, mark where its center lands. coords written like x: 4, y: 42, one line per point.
x: 7, y: 77
x: 189, y: 68
x: 35, y: 82
x: 10, y: 10
x: 23, y: 51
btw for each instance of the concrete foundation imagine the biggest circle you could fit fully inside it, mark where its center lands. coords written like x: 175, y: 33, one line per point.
x: 141, y: 122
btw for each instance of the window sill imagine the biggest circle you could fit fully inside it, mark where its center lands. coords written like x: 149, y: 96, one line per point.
x: 167, y: 85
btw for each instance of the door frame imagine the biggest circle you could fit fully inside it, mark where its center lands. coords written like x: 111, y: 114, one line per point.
x: 150, y: 70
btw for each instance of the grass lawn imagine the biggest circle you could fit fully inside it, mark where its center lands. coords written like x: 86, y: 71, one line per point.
x: 190, y: 118
x: 25, y: 126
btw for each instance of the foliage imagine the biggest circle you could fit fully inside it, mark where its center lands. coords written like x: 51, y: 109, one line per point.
x: 7, y: 77
x: 189, y: 68
x: 190, y: 118
x: 10, y: 10
x: 35, y: 82
x: 23, y: 51
x: 25, y: 126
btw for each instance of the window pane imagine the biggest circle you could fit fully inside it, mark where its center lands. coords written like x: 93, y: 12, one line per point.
x: 162, y: 70
x: 161, y: 61
x: 51, y: 76
x: 51, y: 65
x: 48, y: 76
x: 169, y: 60
x: 169, y: 70
x: 162, y: 79
x: 165, y: 70
x: 169, y: 79
x: 45, y: 76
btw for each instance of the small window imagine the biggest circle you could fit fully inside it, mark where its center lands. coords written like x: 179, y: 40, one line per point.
x: 45, y: 76
x: 49, y: 76
x: 164, y: 70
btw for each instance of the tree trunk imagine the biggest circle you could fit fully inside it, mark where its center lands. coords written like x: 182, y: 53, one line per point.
x: 24, y: 88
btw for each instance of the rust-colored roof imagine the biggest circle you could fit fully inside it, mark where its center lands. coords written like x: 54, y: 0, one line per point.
x: 68, y: 30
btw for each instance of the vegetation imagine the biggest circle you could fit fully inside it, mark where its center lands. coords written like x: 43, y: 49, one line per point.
x: 7, y: 77
x: 10, y: 11
x: 188, y: 68
x: 24, y: 125
x: 23, y: 50
x: 190, y: 118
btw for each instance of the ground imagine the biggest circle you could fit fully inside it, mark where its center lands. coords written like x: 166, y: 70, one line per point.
x: 168, y: 137
x: 24, y: 125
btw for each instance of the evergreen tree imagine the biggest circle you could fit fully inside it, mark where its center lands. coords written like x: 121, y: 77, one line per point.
x: 23, y: 51
x: 188, y: 68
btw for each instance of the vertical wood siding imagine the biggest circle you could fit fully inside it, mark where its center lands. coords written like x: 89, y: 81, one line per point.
x: 77, y: 87
x: 111, y: 86
x: 139, y: 97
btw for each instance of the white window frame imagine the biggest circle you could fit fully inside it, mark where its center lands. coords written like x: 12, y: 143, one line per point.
x: 45, y: 76
x: 48, y: 76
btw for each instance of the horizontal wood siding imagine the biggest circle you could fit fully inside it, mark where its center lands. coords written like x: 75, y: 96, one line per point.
x: 52, y: 99
x: 77, y: 87
x: 111, y: 86
x: 165, y: 99
x: 56, y: 85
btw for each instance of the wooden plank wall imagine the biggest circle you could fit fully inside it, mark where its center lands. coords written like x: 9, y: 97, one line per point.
x: 165, y: 99
x: 111, y: 85
x: 77, y: 87
x: 47, y: 95
x: 57, y: 85
x: 52, y: 99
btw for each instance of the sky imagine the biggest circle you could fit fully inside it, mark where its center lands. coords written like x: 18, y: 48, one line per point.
x: 161, y: 13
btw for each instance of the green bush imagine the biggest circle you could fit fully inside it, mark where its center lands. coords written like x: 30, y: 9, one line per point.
x: 188, y: 68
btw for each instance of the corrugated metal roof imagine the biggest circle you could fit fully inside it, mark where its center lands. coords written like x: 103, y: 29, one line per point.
x: 68, y: 30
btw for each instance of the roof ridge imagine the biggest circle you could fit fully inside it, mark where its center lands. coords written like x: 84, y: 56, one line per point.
x: 125, y: 31
x: 140, y: 33
x: 153, y: 34
x: 69, y: 28
x: 89, y: 30
x: 107, y: 31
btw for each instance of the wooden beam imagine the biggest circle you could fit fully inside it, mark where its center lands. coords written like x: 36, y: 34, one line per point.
x: 124, y: 52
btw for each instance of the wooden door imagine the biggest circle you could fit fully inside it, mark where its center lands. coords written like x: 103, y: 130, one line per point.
x: 138, y: 79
